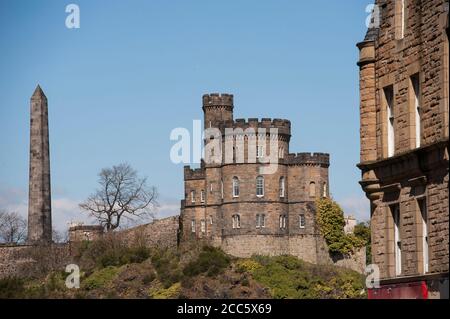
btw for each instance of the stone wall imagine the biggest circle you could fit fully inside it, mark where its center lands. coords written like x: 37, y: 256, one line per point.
x: 26, y: 261
x: 415, y: 177
x: 161, y: 233
x: 310, y: 248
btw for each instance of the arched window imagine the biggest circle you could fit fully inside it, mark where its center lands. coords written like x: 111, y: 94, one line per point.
x: 282, y: 186
x: 312, y: 189
x: 193, y: 196
x: 260, y: 186
x: 325, y: 190
x: 236, y: 221
x: 260, y: 220
x: 235, y: 187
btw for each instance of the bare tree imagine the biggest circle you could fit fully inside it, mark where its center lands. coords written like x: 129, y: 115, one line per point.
x: 13, y: 228
x: 60, y: 237
x: 122, y: 194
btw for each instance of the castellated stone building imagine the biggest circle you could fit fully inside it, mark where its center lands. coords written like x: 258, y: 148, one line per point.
x: 233, y: 205
x: 404, y: 109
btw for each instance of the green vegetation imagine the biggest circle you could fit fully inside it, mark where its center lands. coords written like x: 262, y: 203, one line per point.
x: 330, y: 219
x: 165, y: 293
x: 211, y: 261
x: 111, y: 252
x: 289, y: 277
x: 11, y: 287
x: 100, y: 278
x: 167, y: 265
x: 193, y: 272
x: 362, y: 231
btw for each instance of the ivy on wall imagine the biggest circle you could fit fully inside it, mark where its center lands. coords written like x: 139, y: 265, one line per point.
x: 330, y: 219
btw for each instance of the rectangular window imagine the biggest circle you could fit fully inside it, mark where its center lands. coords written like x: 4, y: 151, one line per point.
x: 260, y: 151
x: 302, y: 221
x: 282, y: 187
x: 202, y: 226
x: 193, y: 196
x: 283, y: 219
x: 236, y: 221
x: 415, y: 83
x: 193, y: 226
x: 260, y: 186
x: 281, y: 152
x: 424, y: 216
x: 260, y: 221
x: 210, y: 220
x: 202, y: 196
x: 395, y: 210
x: 389, y: 97
x: 399, y: 22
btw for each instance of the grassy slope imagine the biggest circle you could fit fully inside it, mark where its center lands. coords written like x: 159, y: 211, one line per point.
x: 193, y: 272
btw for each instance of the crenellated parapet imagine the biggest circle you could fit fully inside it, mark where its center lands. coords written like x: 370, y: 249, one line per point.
x: 322, y: 159
x: 217, y: 100
x: 192, y: 174
x: 283, y: 126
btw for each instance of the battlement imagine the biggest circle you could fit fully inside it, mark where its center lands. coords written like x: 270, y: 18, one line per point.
x: 86, y: 228
x: 309, y: 158
x: 283, y: 126
x: 190, y: 174
x: 216, y: 99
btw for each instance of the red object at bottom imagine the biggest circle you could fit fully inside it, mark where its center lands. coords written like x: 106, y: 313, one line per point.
x: 410, y: 290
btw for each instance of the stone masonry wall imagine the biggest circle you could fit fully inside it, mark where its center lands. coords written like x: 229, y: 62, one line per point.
x: 161, y: 233
x: 26, y: 261
x: 310, y: 248
x: 417, y: 172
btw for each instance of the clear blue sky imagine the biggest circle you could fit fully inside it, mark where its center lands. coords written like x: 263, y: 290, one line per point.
x: 137, y: 69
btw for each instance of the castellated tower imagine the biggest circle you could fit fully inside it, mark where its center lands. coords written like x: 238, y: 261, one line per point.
x: 39, y: 199
x: 230, y: 204
x: 217, y: 108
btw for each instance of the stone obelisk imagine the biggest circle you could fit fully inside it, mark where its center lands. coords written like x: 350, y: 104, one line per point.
x: 39, y: 199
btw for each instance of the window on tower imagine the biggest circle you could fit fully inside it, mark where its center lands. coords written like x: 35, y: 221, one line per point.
x: 260, y: 186
x: 235, y: 187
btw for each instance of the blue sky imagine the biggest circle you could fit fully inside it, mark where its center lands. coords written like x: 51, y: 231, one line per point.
x: 137, y: 69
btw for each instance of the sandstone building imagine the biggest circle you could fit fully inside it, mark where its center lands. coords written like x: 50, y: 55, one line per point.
x: 404, y: 109
x: 232, y: 205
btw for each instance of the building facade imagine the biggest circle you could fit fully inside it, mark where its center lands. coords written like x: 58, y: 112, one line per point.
x: 233, y: 205
x: 404, y: 109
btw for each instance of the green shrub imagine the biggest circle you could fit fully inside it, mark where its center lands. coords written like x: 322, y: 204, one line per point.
x: 167, y: 267
x: 166, y: 293
x: 12, y: 287
x: 330, y: 219
x: 148, y: 278
x: 211, y: 261
x: 111, y: 251
x: 100, y: 278
x: 247, y: 265
x: 289, y: 277
x: 362, y: 231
